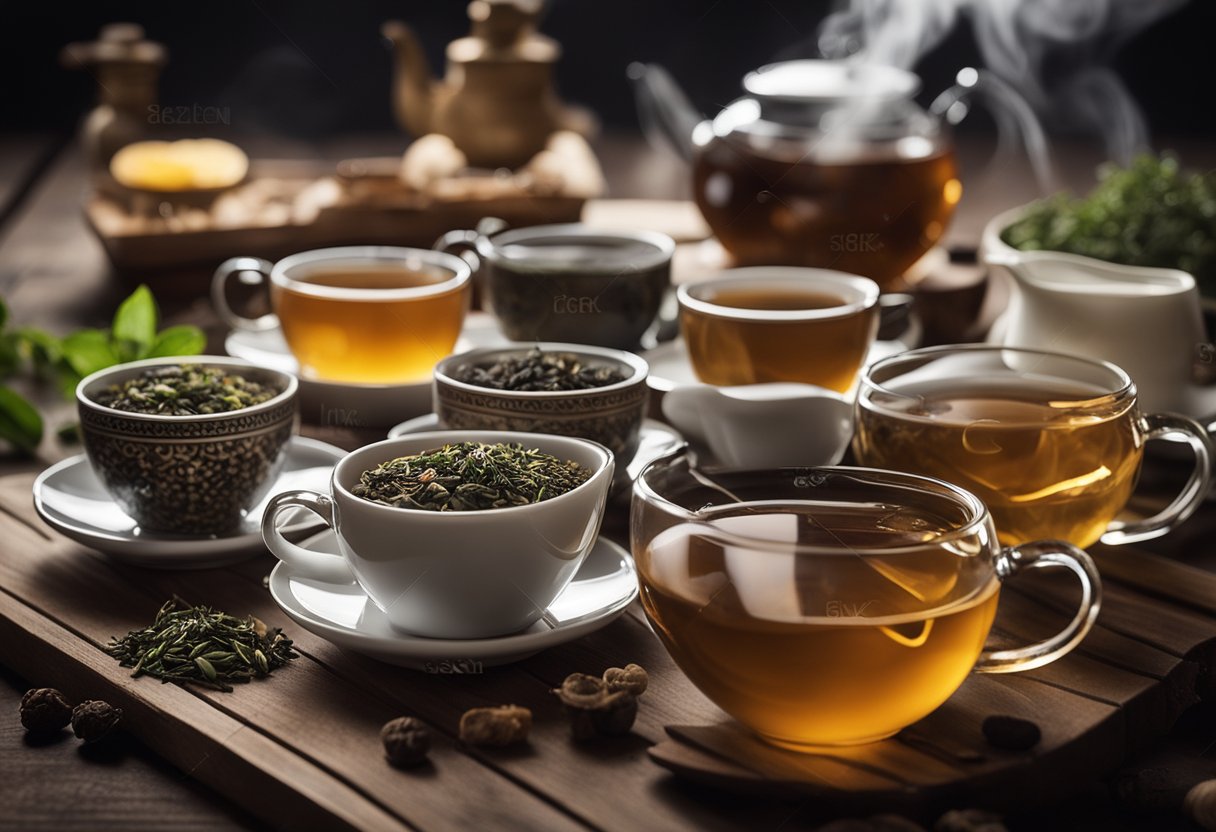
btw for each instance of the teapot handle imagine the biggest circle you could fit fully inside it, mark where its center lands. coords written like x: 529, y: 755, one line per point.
x: 1014, y: 118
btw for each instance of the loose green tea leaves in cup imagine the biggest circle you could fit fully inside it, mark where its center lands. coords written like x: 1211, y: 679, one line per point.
x: 470, y: 476
x: 185, y: 390
x: 201, y: 646
x: 537, y: 371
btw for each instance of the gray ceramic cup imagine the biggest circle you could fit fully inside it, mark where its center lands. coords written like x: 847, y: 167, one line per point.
x: 191, y: 475
x: 452, y: 574
x: 570, y: 283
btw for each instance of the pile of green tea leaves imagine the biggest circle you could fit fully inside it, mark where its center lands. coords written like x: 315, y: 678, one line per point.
x: 44, y: 358
x: 201, y: 646
x: 185, y: 390
x: 1151, y: 213
x: 470, y: 476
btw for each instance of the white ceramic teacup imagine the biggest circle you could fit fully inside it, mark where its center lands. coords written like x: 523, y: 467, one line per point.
x: 458, y: 574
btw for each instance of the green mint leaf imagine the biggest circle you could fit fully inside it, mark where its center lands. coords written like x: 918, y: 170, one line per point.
x: 20, y: 423
x: 134, y: 327
x: 88, y: 351
x: 10, y: 358
x: 3, y: 313
x: 42, y: 348
x: 178, y: 340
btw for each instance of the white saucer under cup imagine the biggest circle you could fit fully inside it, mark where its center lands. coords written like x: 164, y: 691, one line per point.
x: 70, y: 499
x: 605, y: 585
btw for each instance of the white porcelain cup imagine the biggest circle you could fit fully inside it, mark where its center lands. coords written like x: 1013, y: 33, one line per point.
x: 452, y: 574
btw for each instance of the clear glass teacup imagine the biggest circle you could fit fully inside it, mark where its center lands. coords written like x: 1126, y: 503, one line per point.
x: 831, y: 606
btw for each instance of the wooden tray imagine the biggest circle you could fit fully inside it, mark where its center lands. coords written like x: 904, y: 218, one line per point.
x: 302, y: 748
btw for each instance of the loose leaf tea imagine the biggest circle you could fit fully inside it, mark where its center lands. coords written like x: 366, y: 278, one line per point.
x: 185, y: 390
x: 537, y: 371
x: 470, y: 476
x: 202, y: 646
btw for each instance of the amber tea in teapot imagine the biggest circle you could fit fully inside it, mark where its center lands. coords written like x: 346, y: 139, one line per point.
x: 873, y: 214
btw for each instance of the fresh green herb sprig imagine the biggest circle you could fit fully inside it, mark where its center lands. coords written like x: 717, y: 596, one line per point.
x: 133, y: 334
x: 1151, y: 213
x: 470, y: 476
x: 198, y: 645
x: 185, y: 390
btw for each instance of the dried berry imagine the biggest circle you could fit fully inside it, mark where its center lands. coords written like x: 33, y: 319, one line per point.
x: 594, y: 709
x: 45, y: 711
x: 504, y: 725
x: 631, y: 678
x: 1011, y: 733
x: 969, y: 820
x: 406, y: 741
x: 93, y: 720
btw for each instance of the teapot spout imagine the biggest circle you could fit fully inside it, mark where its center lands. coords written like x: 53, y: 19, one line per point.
x: 412, y: 82
x: 666, y: 114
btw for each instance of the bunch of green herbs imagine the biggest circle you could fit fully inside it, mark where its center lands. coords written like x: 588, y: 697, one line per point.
x: 1151, y: 213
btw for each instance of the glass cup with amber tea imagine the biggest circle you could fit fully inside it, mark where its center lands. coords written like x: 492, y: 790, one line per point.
x: 831, y: 606
x: 1051, y: 443
x: 769, y: 323
x: 358, y: 314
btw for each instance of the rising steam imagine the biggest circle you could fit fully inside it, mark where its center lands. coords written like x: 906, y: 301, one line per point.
x: 1055, y: 53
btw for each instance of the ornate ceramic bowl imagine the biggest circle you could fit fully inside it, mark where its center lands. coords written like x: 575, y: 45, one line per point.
x: 610, y: 415
x: 192, y: 475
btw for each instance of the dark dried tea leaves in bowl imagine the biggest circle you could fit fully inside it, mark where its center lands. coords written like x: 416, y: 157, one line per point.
x: 185, y: 390
x: 470, y: 476
x: 539, y: 372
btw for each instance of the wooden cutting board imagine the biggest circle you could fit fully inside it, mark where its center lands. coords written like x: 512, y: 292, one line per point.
x: 302, y: 748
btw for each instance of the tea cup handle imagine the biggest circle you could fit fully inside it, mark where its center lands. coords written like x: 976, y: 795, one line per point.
x: 330, y: 569
x: 245, y: 266
x: 1040, y: 555
x: 1190, y: 498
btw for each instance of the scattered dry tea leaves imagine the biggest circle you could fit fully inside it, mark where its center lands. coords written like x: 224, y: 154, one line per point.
x: 201, y: 646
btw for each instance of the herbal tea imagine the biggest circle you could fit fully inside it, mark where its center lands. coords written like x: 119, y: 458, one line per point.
x: 1047, y: 461
x: 340, y: 327
x: 844, y: 648
x: 728, y: 346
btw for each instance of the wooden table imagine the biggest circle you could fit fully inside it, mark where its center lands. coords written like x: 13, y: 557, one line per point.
x: 53, y: 275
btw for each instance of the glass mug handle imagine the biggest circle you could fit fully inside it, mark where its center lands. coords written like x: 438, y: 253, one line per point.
x: 330, y: 569
x: 1040, y: 555
x: 244, y: 266
x: 1158, y: 426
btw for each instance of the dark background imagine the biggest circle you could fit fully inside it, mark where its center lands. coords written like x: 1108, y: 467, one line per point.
x: 320, y: 68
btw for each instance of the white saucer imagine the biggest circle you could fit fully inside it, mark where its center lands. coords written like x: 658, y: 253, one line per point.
x: 670, y: 366
x: 70, y: 499
x: 354, y: 405
x: 604, y: 586
x: 655, y: 439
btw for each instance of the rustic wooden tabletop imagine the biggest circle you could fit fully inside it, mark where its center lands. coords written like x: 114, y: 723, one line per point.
x: 53, y: 274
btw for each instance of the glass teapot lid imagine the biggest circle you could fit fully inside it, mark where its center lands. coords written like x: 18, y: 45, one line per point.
x: 827, y: 82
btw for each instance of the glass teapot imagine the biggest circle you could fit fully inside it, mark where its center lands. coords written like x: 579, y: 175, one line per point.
x: 821, y: 163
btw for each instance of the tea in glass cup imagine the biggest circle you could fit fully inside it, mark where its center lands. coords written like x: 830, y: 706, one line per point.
x: 374, y: 314
x: 767, y: 324
x: 830, y: 606
x: 1051, y: 443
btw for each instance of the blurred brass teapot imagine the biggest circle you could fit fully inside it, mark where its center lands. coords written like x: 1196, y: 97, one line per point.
x: 497, y: 102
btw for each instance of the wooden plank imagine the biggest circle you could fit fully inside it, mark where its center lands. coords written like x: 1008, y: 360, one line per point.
x: 1159, y: 576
